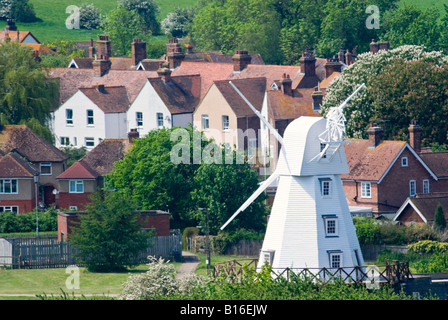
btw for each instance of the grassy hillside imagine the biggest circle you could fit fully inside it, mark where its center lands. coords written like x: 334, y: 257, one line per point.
x: 53, y: 16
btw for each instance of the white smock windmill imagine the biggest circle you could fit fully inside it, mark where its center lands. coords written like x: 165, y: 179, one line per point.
x: 310, y: 225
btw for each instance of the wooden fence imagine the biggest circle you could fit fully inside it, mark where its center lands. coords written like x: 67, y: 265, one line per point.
x: 394, y: 272
x: 48, y: 252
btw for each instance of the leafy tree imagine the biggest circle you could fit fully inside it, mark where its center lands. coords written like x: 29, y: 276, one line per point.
x: 408, y: 90
x: 108, y: 236
x: 89, y: 16
x: 360, y: 111
x: 439, y: 218
x: 122, y: 25
x: 147, y: 10
x: 178, y: 23
x: 26, y: 91
x: 19, y: 10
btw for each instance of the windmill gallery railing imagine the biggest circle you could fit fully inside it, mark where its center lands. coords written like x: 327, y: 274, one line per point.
x: 393, y: 272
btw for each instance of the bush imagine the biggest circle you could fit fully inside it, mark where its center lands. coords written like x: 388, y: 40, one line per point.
x: 89, y: 17
x: 429, y: 247
x: 189, y: 232
x: 225, y: 240
x: 437, y: 262
x: 26, y: 222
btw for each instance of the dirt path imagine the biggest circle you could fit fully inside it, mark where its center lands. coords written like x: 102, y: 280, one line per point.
x: 190, y: 262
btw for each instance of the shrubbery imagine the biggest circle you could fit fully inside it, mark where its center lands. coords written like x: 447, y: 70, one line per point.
x: 26, y: 222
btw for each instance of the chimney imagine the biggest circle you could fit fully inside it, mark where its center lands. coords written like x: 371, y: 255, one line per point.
x: 415, y: 136
x: 189, y: 48
x: 241, y: 59
x: 101, y: 66
x: 317, y: 99
x: 103, y: 46
x: 341, y: 56
x: 174, y: 54
x: 374, y: 47
x: 308, y: 63
x: 348, y: 58
x: 138, y: 51
x: 164, y: 73
x: 100, y: 88
x: 332, y: 65
x: 91, y: 50
x: 132, y: 135
x: 11, y: 25
x: 286, y: 83
x: 375, y: 135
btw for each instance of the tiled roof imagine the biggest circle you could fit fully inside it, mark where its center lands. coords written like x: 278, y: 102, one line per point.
x: 12, y: 165
x: 29, y: 144
x: 72, y: 79
x: 40, y: 48
x: 108, y: 99
x: 181, y: 94
x: 370, y: 164
x: 283, y: 106
x: 151, y: 64
x: 437, y: 162
x: 83, y: 63
x: 426, y: 204
x: 99, y: 161
x: 217, y: 56
x: 253, y: 89
x: 14, y: 35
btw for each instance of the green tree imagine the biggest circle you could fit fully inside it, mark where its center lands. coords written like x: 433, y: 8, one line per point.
x: 148, y: 11
x: 108, y: 236
x: 19, y: 10
x: 26, y: 91
x: 439, y: 218
x: 122, y: 25
x: 178, y: 23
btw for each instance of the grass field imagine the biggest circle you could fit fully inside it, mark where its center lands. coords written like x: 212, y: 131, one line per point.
x: 53, y: 15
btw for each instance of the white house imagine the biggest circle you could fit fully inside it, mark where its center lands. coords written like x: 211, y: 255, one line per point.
x: 164, y: 102
x: 91, y: 115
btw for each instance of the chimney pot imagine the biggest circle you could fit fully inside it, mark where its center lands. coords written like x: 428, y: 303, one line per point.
x: 286, y: 83
x: 241, y: 59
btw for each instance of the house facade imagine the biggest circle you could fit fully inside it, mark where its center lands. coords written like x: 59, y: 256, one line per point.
x: 90, y: 116
x: 421, y: 209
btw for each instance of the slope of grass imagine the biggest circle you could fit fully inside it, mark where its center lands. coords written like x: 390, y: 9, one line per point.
x: 53, y: 16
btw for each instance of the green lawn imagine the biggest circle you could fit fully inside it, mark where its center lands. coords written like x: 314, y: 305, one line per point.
x: 53, y: 15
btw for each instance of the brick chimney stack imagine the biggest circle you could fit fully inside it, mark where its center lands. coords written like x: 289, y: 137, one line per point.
x: 132, y: 135
x: 91, y: 49
x: 241, y: 59
x: 308, y: 63
x: 11, y: 25
x: 101, y: 66
x: 138, y: 51
x: 415, y: 136
x: 286, y: 83
x: 174, y: 53
x: 103, y: 46
x: 375, y: 135
x: 332, y: 65
x: 165, y: 73
x: 374, y: 47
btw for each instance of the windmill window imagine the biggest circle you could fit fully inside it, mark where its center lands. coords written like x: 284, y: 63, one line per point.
x: 331, y: 226
x: 325, y: 187
x: 268, y: 256
x: 322, y: 147
x: 335, y: 259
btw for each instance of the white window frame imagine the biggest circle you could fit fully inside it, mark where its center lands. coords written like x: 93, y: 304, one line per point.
x: 331, y: 226
x: 65, y: 141
x: 90, y: 117
x: 425, y: 186
x: 335, y: 258
x: 45, y: 165
x: 325, y: 187
x: 412, y: 188
x: 159, y: 119
x: 74, y: 184
x: 69, y: 119
x: 322, y: 147
x: 366, y: 190
x: 139, y: 118
x: 89, y: 141
x: 73, y: 208
x: 225, y: 123
x: 9, y: 209
x: 268, y: 256
x: 404, y: 161
x: 13, y: 184
x: 205, y: 122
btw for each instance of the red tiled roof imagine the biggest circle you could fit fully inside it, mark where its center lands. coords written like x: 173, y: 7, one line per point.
x: 437, y: 162
x: 370, y: 164
x: 181, y: 94
x: 283, y: 106
x: 108, y: 99
x: 79, y: 170
x: 13, y: 165
x: 14, y: 35
x: 30, y: 145
x: 253, y: 89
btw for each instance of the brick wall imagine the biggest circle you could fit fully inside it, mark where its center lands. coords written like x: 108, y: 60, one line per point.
x: 24, y: 206
x: 80, y: 200
x: 409, y: 215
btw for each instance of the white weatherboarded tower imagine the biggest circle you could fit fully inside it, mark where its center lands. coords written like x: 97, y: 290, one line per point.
x: 310, y: 225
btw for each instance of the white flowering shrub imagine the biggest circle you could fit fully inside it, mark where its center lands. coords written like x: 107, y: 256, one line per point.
x: 89, y: 17
x: 5, y: 8
x: 178, y: 23
x: 369, y: 65
x: 159, y: 282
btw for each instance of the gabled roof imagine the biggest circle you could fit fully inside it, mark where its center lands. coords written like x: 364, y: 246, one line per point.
x: 150, y: 64
x: 81, y: 63
x: 17, y: 35
x: 99, y: 161
x: 253, y: 89
x: 218, y: 57
x: 71, y: 79
x: 12, y: 165
x: 437, y: 161
x: 181, y: 94
x: 425, y: 205
x: 284, y: 106
x: 108, y: 99
x: 29, y: 144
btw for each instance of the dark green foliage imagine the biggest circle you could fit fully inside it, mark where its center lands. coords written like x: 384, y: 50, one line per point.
x: 26, y: 222
x: 109, y: 236
x: 22, y: 11
x: 148, y: 10
x: 439, y: 219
